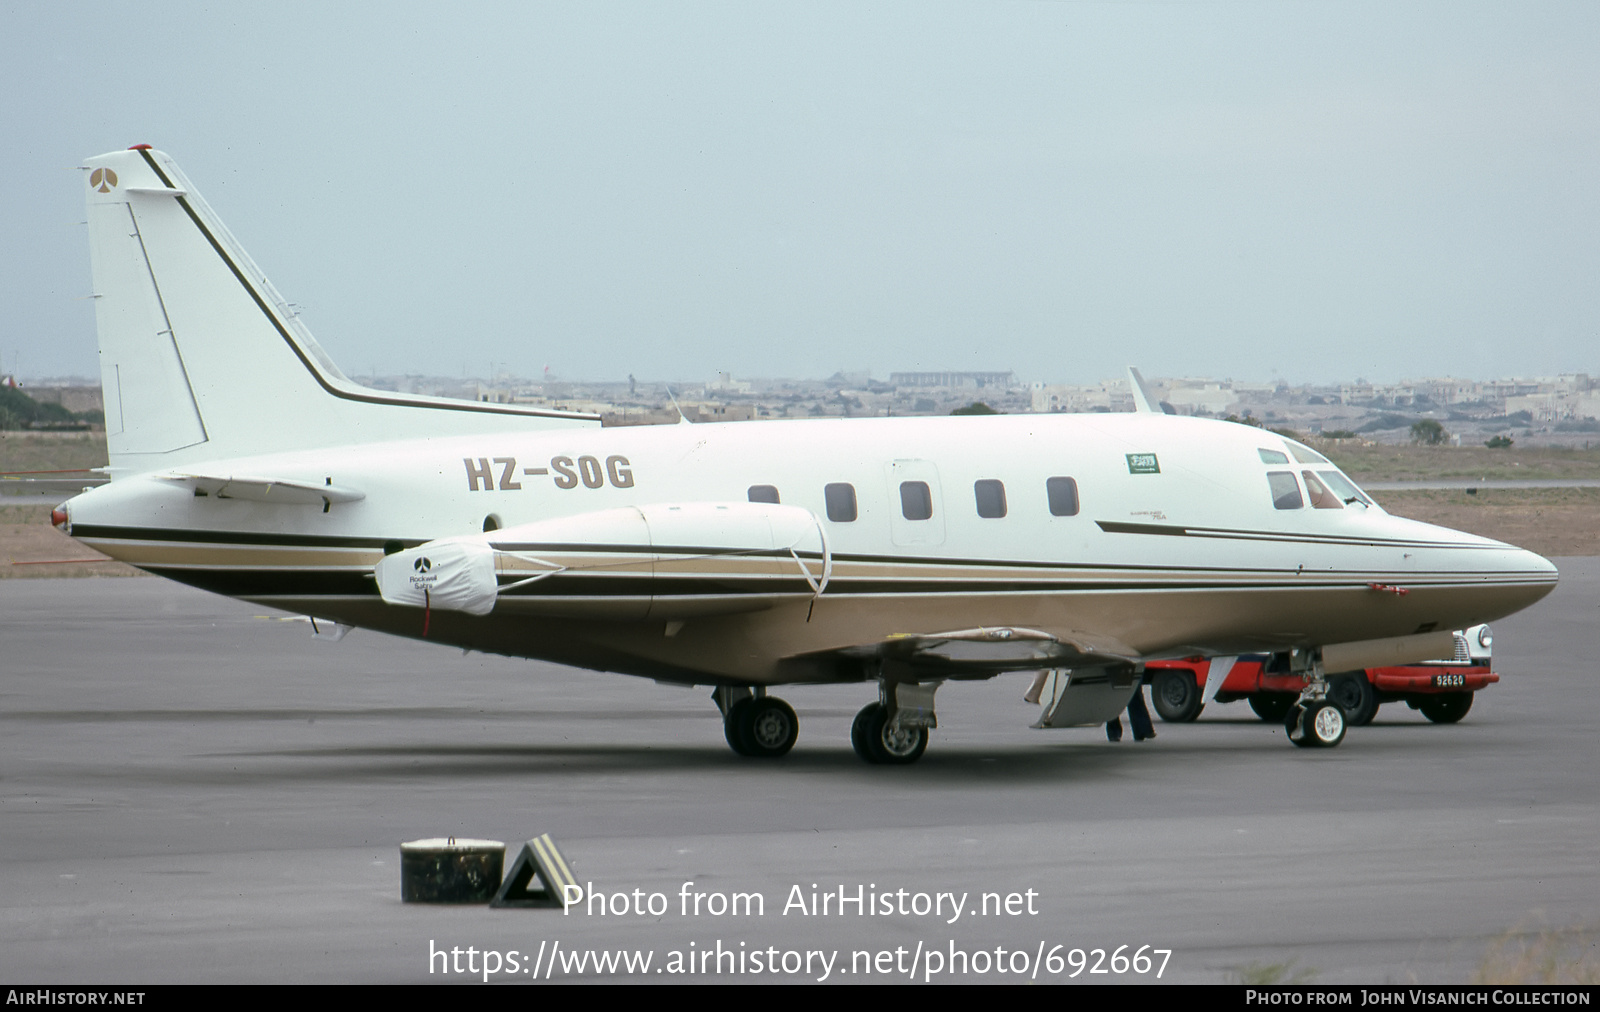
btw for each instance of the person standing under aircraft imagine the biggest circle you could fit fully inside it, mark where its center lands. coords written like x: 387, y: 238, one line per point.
x: 1138, y: 716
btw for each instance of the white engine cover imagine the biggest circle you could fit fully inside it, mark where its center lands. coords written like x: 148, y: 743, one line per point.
x: 452, y: 574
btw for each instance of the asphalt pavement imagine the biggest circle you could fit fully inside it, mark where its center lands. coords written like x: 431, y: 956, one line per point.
x: 193, y: 790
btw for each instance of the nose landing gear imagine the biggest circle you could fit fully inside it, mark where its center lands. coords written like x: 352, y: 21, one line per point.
x: 1315, y: 720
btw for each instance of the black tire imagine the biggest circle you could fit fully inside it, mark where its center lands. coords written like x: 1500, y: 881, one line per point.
x: 1292, y: 718
x: 732, y: 722
x: 1176, y: 696
x: 861, y: 729
x: 1446, y: 707
x: 768, y: 728
x: 1271, y: 706
x: 875, y: 742
x: 1356, y: 696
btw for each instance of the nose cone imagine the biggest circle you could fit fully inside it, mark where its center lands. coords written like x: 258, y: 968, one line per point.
x: 1538, y: 568
x: 1514, y: 578
x: 1472, y: 578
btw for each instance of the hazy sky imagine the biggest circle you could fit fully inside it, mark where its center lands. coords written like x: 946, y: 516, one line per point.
x: 1312, y: 191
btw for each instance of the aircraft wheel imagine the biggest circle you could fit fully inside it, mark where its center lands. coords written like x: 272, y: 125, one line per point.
x: 1446, y: 707
x: 1176, y: 696
x: 767, y: 727
x: 1316, y: 725
x: 1356, y: 696
x: 1271, y: 706
x: 876, y: 742
x: 733, y: 722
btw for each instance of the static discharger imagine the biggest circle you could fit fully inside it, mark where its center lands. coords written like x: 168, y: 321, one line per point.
x: 540, y: 859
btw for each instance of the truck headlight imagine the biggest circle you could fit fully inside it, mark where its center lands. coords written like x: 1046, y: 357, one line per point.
x: 1485, y: 638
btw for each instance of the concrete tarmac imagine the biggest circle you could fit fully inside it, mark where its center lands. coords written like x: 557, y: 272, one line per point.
x: 192, y: 791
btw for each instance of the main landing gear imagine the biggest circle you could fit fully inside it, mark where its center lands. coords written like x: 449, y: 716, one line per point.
x: 891, y: 732
x: 894, y: 730
x: 756, y: 724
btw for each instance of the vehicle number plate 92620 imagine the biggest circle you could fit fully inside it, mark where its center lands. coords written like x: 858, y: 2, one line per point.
x: 1449, y: 681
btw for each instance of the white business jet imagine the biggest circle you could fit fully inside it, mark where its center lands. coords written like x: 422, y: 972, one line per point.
x: 901, y: 552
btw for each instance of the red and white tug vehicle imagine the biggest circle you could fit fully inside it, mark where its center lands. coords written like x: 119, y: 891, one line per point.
x: 1442, y: 689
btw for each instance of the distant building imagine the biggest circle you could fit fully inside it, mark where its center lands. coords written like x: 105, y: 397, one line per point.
x: 1196, y: 396
x: 957, y: 380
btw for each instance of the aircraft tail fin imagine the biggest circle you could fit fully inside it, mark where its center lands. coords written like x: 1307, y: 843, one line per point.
x: 201, y: 358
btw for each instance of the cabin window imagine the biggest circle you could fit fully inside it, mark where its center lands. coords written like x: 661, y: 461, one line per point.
x: 491, y: 523
x: 916, y: 500
x: 991, y: 497
x: 841, y: 500
x: 763, y: 493
x: 1319, y: 494
x: 1285, y: 490
x: 1063, y: 496
x: 1273, y: 456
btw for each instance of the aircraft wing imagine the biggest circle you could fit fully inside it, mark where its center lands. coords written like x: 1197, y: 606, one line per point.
x: 986, y: 651
x: 280, y: 491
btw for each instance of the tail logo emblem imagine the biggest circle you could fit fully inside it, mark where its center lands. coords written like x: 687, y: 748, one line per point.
x: 423, y: 564
x: 102, y: 180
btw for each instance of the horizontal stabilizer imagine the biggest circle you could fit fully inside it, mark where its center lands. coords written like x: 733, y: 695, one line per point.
x: 269, y: 490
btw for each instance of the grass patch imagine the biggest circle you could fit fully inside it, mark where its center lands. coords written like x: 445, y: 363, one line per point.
x: 1550, y: 521
x: 51, y: 451
x: 1565, y: 956
x: 1258, y: 974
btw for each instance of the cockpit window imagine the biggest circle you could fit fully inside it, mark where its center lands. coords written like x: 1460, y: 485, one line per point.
x: 1285, y: 490
x: 1305, y: 454
x: 1273, y: 456
x: 1344, y: 488
x: 1321, y: 498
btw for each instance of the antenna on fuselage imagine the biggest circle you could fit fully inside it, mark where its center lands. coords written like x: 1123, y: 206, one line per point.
x: 683, y: 419
x: 1142, y: 401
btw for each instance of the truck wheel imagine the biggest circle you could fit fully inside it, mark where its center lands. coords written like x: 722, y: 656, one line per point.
x: 1176, y: 697
x: 1356, y: 696
x: 1446, y: 707
x: 1271, y: 706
